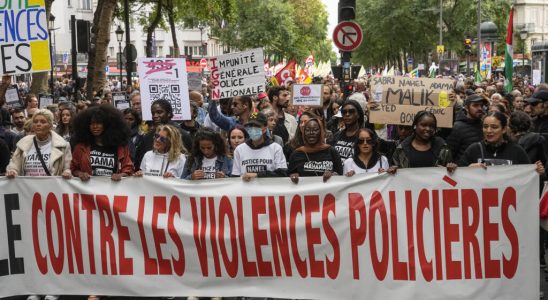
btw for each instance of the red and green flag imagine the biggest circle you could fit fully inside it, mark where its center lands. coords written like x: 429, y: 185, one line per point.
x: 508, y: 62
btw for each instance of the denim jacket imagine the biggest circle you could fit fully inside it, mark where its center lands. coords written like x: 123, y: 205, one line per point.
x: 223, y: 163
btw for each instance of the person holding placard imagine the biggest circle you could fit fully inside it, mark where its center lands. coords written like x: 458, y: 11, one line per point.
x: 241, y: 108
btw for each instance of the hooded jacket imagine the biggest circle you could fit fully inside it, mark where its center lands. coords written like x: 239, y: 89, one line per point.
x: 465, y: 132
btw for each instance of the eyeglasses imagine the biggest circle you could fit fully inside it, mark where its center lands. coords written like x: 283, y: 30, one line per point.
x: 162, y: 139
x: 366, y: 141
x: 350, y: 111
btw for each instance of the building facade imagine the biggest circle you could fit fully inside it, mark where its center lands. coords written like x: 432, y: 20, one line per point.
x: 531, y: 16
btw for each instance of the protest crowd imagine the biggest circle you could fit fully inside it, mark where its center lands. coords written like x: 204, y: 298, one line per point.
x: 264, y: 135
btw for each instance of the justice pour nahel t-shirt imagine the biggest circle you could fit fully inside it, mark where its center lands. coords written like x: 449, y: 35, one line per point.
x: 267, y: 158
x: 208, y: 166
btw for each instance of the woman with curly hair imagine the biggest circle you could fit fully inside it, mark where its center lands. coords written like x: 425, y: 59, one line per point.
x: 101, y: 137
x: 167, y: 158
x: 208, y: 159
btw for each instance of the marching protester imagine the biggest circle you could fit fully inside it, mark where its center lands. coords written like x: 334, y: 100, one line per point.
x: 258, y: 156
x: 162, y: 113
x: 273, y: 120
x: 167, y: 157
x: 43, y: 153
x: 286, y: 125
x: 366, y: 158
x: 297, y: 140
x: 314, y: 157
x: 467, y: 127
x: 64, y: 127
x: 133, y: 121
x: 353, y: 118
x: 423, y: 149
x: 192, y: 126
x: 208, y: 159
x: 236, y: 136
x: 101, y: 138
x: 242, y: 107
x: 18, y: 119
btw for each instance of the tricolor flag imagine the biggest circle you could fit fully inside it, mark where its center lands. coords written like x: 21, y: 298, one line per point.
x: 508, y: 63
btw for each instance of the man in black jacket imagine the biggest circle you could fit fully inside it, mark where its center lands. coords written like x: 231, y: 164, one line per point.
x: 467, y: 127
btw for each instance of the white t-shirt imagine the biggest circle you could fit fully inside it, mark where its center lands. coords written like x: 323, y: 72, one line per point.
x: 157, y: 164
x: 208, y: 166
x: 267, y: 158
x: 350, y: 164
x: 33, y: 166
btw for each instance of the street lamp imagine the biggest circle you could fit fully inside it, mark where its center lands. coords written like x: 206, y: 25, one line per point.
x: 120, y: 37
x: 51, y: 23
x: 523, y: 35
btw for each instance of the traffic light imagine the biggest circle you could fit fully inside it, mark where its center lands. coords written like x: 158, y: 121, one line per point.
x: 347, y: 10
x: 468, y: 45
x: 83, y: 35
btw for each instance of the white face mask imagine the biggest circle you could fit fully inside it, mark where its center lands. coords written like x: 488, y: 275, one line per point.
x: 255, y: 133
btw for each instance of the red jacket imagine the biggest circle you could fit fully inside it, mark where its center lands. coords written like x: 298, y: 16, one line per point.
x: 81, y: 160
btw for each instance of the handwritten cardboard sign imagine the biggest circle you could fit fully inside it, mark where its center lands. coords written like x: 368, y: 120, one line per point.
x: 164, y: 78
x: 411, y: 91
x: 25, y: 39
x: 237, y: 74
x: 306, y: 94
x: 404, y: 114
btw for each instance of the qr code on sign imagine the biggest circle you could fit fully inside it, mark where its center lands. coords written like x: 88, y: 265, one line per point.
x: 169, y: 92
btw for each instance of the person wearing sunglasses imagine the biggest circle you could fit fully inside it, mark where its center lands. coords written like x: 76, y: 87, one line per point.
x: 101, y: 136
x: 353, y: 119
x: 423, y: 149
x: 314, y: 157
x: 366, y: 158
x: 167, y: 158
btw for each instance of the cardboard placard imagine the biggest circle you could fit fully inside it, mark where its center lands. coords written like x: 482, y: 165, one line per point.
x: 121, y: 101
x: 412, y: 91
x: 164, y: 78
x: 25, y: 38
x: 237, y: 74
x: 404, y: 114
x: 306, y: 94
x: 194, y: 81
x: 44, y: 101
x: 12, y: 97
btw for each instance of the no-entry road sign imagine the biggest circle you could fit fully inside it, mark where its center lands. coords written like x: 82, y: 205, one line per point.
x: 347, y: 36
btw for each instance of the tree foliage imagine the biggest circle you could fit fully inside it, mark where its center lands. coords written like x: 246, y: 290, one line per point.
x: 284, y: 29
x: 394, y: 30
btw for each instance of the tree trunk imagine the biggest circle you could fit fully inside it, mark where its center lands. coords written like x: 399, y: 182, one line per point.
x: 171, y: 20
x: 100, y: 29
x: 152, y: 27
x: 39, y: 84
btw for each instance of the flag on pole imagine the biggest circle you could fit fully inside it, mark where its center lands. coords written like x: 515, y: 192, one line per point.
x: 286, y: 74
x: 508, y: 63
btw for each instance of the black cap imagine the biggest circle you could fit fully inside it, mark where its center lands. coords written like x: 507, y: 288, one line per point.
x: 257, y: 118
x: 539, y: 96
x: 474, y: 99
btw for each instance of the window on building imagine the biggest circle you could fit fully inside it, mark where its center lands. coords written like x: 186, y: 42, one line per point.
x: 69, y: 3
x: 86, y: 4
x: 160, y: 51
x: 111, y: 51
x: 189, y: 51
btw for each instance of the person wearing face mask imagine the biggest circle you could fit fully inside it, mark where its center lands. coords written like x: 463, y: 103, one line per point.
x: 258, y: 156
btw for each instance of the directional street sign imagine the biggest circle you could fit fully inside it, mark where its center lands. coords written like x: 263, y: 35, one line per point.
x: 347, y: 36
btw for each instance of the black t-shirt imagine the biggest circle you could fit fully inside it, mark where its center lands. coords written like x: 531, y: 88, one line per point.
x: 280, y: 130
x: 344, y: 144
x: 508, y: 153
x: 315, y: 164
x: 103, y: 160
x: 421, y: 159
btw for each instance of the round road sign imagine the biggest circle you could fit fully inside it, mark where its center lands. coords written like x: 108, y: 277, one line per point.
x: 347, y: 36
x: 203, y: 63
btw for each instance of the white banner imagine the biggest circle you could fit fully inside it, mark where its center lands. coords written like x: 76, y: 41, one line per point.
x: 164, y: 78
x: 417, y: 235
x: 237, y: 74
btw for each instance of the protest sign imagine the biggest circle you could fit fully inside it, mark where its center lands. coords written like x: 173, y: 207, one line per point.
x: 401, y: 97
x: 404, y: 114
x: 25, y: 39
x: 121, y: 101
x: 164, y: 78
x: 12, y: 97
x: 45, y: 101
x: 306, y: 94
x: 237, y: 74
x: 195, y: 81
x: 419, y: 234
